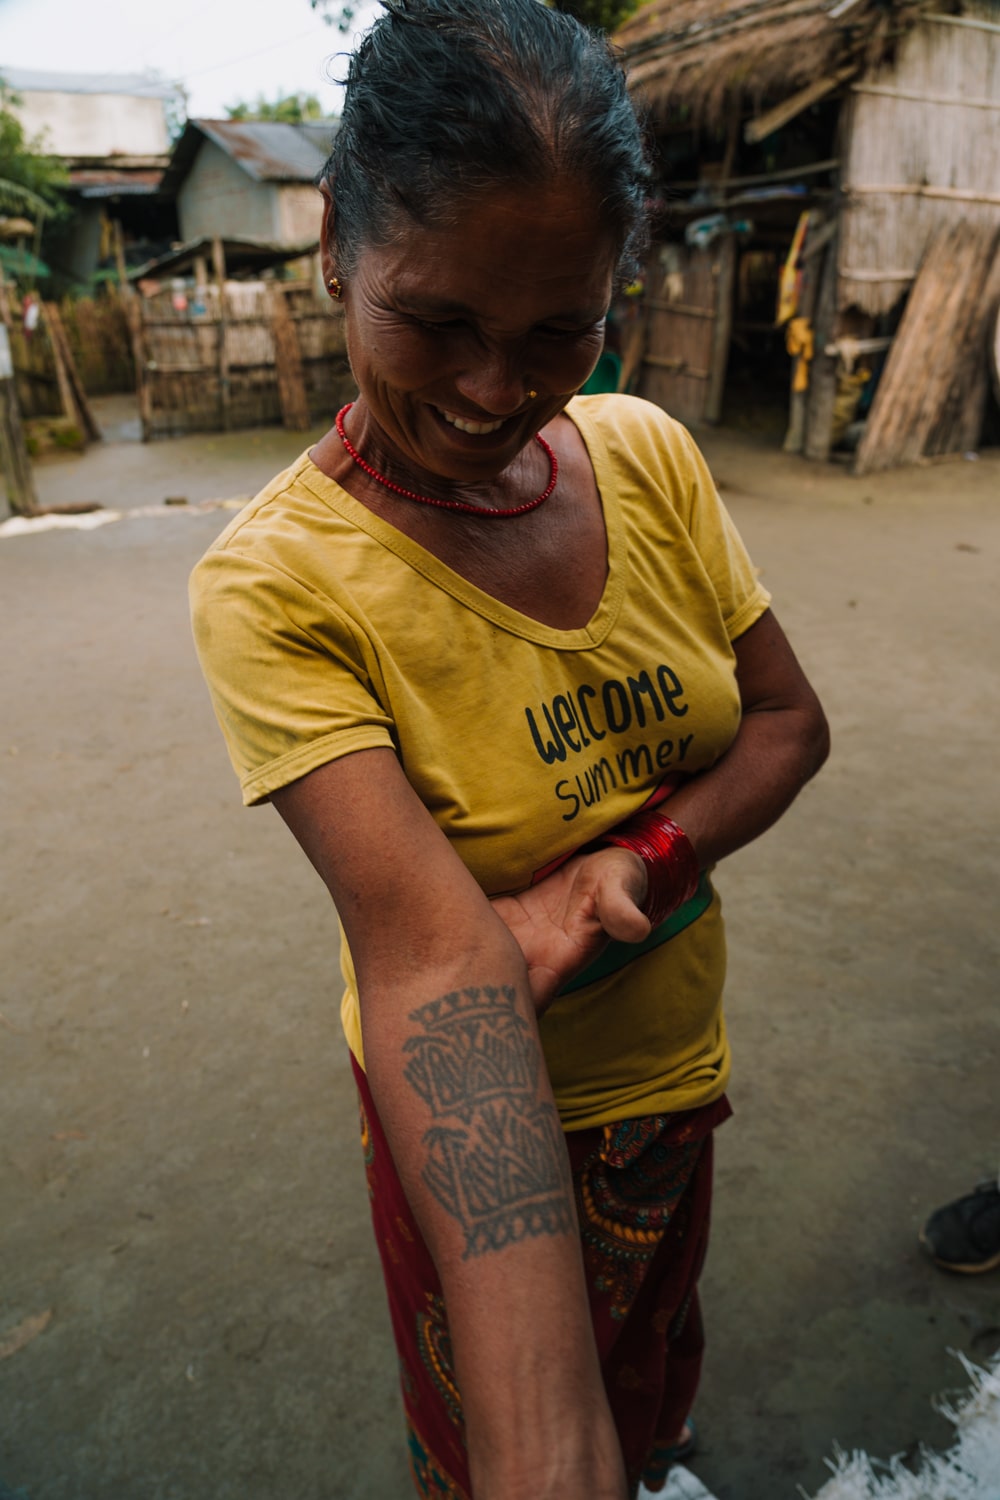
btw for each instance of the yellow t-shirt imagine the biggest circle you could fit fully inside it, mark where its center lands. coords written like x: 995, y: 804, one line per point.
x: 323, y: 630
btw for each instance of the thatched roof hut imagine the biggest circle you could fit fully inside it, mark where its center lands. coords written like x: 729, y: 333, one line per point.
x: 702, y: 58
x: 880, y: 118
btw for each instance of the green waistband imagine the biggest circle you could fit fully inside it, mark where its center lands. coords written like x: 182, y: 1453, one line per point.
x: 617, y: 955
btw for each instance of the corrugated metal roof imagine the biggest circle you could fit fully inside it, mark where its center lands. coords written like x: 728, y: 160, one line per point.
x: 135, y: 85
x: 112, y: 184
x: 114, y: 179
x: 270, y: 151
x: 320, y: 133
x: 241, y: 255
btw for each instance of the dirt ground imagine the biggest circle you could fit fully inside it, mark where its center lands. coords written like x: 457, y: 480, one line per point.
x: 181, y: 1192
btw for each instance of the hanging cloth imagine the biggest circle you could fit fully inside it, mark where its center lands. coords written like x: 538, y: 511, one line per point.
x: 800, y: 344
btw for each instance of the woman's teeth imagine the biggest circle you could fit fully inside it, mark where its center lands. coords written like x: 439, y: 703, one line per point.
x: 478, y: 428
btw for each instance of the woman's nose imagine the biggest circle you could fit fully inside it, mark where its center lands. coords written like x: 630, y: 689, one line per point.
x: 497, y: 384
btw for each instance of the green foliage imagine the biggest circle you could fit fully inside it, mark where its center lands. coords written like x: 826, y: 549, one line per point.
x: 293, y: 109
x: 29, y: 180
x: 53, y: 435
x: 337, y: 13
x: 176, y: 110
x: 604, y: 15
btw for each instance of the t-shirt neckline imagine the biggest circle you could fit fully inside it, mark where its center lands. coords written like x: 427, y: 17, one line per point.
x: 442, y: 576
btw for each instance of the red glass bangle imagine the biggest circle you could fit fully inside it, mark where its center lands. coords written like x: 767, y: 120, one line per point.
x: 666, y: 851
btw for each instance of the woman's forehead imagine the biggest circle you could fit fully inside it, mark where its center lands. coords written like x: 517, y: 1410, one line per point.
x: 501, y: 245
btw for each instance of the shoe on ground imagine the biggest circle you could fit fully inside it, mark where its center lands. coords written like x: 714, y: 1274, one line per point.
x: 965, y: 1235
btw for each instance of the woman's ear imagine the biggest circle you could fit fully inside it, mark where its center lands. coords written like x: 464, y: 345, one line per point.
x: 327, y: 235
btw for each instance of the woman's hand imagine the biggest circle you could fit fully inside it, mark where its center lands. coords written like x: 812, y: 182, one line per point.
x: 565, y: 921
x: 442, y: 986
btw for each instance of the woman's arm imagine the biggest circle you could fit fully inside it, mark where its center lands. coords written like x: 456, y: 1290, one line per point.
x: 562, y: 923
x: 782, y: 741
x: 457, y: 1074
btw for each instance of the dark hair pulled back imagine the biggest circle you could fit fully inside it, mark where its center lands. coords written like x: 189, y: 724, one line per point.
x: 446, y: 98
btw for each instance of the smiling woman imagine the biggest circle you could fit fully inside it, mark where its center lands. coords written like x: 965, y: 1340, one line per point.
x: 451, y: 331
x: 469, y: 646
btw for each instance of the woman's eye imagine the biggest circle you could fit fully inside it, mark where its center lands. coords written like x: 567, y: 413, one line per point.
x: 441, y: 325
x: 550, y: 332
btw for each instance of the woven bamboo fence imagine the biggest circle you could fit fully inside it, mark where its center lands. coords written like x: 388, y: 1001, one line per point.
x: 923, y: 152
x: 98, y: 336
x: 262, y: 354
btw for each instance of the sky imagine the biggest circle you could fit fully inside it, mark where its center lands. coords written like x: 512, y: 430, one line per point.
x: 221, y: 51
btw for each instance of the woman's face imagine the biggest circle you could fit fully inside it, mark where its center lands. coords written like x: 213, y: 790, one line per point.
x: 448, y: 329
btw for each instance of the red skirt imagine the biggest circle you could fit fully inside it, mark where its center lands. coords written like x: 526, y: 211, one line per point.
x: 643, y: 1192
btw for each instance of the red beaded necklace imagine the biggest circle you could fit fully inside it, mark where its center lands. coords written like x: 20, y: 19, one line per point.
x: 471, y: 510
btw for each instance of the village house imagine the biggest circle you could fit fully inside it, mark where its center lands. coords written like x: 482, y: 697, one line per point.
x: 829, y: 217
x: 111, y: 133
x: 253, y: 179
x: 233, y: 327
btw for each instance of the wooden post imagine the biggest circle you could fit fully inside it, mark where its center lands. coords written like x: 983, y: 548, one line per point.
x: 798, y: 401
x: 225, y: 393
x: 959, y: 425
x: 58, y: 333
x: 722, y: 328
x: 62, y: 379
x: 20, y: 482
x: 634, y: 350
x: 71, y: 392
x: 120, y: 254
x: 732, y: 141
x: 288, y: 363
x: 143, y: 391
x: 822, y: 392
x: 921, y: 395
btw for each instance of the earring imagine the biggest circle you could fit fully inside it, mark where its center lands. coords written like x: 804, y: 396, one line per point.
x: 532, y: 395
x: 335, y: 289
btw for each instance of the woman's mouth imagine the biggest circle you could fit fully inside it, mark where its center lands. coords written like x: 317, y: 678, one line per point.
x: 464, y: 424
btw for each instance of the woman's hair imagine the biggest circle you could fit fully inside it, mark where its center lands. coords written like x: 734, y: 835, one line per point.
x: 447, y: 98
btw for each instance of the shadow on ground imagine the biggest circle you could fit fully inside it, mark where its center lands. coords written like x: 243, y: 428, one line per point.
x: 181, y: 1185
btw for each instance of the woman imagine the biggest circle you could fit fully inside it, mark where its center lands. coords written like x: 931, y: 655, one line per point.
x: 467, y: 646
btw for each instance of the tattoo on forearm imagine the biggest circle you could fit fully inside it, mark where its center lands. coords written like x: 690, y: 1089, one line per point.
x: 496, y: 1155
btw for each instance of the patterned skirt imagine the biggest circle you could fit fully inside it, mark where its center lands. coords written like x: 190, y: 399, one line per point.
x: 643, y: 1191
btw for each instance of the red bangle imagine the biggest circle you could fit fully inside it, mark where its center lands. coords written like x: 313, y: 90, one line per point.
x: 666, y: 851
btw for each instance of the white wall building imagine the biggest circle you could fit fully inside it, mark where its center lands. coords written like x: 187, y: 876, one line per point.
x: 83, y: 115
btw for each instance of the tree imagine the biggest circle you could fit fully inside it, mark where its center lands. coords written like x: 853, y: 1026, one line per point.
x: 603, y: 14
x: 292, y: 109
x: 337, y: 13
x: 29, y: 180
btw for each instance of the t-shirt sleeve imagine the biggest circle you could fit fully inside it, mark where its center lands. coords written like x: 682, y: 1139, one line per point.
x: 742, y: 597
x: 658, y: 464
x: 292, y: 681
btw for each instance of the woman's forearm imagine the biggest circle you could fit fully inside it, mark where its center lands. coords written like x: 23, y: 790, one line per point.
x: 781, y: 743
x: 768, y: 764
x: 459, y: 1080
x: 456, y: 1072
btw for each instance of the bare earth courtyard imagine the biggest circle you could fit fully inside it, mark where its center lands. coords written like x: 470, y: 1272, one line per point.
x: 190, y: 1307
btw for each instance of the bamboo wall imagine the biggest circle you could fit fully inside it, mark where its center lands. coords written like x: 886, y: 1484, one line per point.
x: 206, y: 368
x: 98, y: 335
x: 922, y: 151
x: 688, y: 322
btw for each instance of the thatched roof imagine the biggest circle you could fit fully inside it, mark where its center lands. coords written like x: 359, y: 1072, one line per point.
x: 695, y: 58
